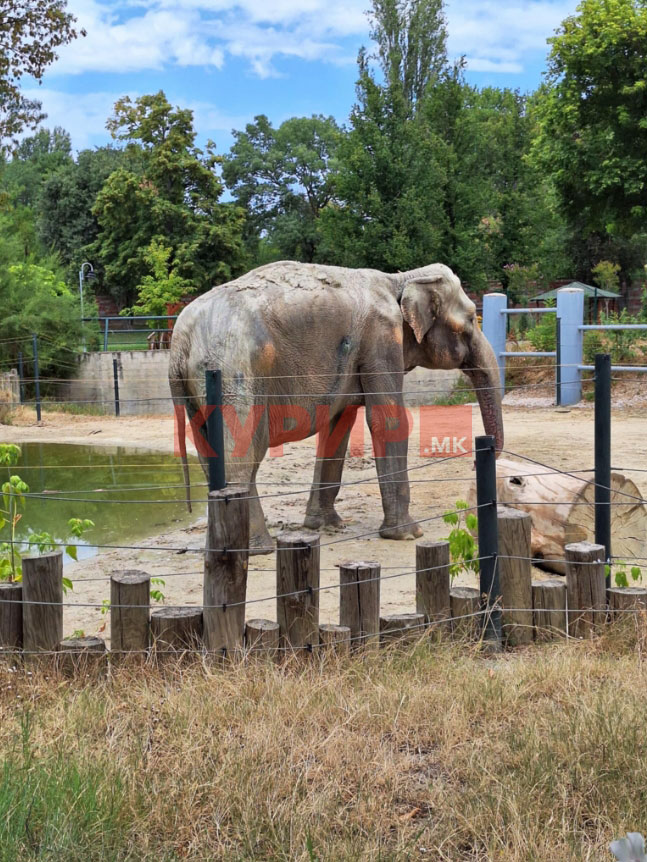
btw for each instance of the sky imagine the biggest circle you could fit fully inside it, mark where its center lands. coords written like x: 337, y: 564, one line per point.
x: 229, y: 60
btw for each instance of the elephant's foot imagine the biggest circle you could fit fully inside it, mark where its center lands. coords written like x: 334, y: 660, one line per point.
x: 260, y: 541
x: 317, y: 520
x: 263, y: 544
x: 399, y: 532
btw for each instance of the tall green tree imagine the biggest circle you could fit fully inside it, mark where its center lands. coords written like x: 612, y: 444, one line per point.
x: 65, y: 221
x: 174, y: 196
x: 21, y: 182
x: 30, y: 33
x: 391, y: 173
x: 499, y: 209
x: 592, y: 122
x: 283, y: 178
x: 35, y: 298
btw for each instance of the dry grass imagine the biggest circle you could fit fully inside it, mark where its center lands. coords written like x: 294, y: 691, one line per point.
x: 434, y: 753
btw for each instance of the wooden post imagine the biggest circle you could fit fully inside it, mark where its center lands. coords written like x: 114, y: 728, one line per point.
x: 176, y: 630
x: 42, y: 593
x: 334, y: 638
x: 10, y: 617
x: 403, y: 628
x: 359, y: 600
x: 626, y: 599
x: 432, y: 585
x: 129, y: 612
x: 549, y: 603
x: 465, y: 602
x: 514, y: 575
x: 225, y: 571
x: 81, y: 655
x: 585, y: 588
x: 297, y: 571
x: 262, y: 639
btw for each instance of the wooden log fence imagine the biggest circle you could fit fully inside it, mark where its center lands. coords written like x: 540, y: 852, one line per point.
x: 31, y: 612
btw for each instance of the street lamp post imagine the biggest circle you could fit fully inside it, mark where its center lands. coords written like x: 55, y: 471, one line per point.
x: 81, y: 279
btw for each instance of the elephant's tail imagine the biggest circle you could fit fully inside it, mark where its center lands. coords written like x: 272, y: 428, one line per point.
x: 179, y: 403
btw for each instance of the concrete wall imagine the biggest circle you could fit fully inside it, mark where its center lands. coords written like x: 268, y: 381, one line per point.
x: 143, y: 374
x: 143, y: 381
x: 10, y: 384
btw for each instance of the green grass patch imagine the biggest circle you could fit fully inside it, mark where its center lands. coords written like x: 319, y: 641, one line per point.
x: 127, y: 340
x: 59, y: 805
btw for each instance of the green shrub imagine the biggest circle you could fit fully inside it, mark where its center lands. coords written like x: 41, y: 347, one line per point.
x: 543, y: 336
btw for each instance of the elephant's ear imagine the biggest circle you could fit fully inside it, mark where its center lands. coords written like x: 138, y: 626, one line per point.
x: 418, y: 304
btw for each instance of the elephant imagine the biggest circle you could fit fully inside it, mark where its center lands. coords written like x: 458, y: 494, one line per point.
x: 314, y: 343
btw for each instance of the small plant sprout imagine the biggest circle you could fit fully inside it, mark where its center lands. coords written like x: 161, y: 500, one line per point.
x: 629, y: 849
x: 155, y: 594
x: 13, y: 499
x: 462, y: 547
x: 620, y: 574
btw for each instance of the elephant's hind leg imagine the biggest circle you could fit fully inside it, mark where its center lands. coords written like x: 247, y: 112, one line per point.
x: 320, y: 511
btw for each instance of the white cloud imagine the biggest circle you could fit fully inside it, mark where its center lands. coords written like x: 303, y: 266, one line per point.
x: 132, y: 35
x: 84, y: 115
x: 151, y: 40
x: 500, y: 36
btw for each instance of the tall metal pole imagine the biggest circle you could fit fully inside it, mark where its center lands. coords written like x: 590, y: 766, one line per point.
x: 215, y: 431
x: 115, y: 377
x: 488, y: 540
x: 603, y: 453
x: 36, y: 376
x: 81, y: 279
x: 21, y: 378
x: 82, y: 311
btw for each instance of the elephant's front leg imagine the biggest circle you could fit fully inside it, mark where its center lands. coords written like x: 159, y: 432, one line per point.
x: 388, y: 422
x: 329, y: 466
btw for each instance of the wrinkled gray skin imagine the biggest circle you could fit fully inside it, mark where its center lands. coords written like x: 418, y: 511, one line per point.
x: 349, y: 336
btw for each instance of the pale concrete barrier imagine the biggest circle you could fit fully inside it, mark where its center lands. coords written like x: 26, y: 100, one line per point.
x: 142, y: 376
x: 143, y: 382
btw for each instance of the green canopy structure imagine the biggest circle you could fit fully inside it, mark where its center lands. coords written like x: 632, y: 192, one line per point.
x: 588, y: 292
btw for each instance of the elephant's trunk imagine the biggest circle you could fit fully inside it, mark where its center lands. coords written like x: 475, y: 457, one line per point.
x: 482, y: 369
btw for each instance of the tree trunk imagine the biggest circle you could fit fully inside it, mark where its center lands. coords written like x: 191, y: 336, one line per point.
x: 562, y: 510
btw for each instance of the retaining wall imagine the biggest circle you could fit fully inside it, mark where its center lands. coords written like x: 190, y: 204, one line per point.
x: 143, y: 381
x: 143, y: 374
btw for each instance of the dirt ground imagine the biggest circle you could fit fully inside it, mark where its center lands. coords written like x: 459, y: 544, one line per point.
x: 559, y: 437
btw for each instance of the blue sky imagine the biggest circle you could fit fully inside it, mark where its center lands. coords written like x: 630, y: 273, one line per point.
x: 229, y: 60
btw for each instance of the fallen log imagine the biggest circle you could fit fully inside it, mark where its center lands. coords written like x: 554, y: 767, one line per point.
x: 562, y: 510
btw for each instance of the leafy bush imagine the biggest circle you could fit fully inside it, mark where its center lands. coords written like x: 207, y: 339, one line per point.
x: 543, y: 335
x: 462, y: 546
x: 623, y: 341
x: 593, y: 344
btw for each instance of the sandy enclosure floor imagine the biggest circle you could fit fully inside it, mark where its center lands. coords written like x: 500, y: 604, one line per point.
x: 558, y: 437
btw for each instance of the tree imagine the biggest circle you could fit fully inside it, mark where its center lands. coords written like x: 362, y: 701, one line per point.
x: 282, y: 177
x: 390, y: 179
x: 35, y: 298
x: 33, y: 160
x: 499, y: 208
x: 161, y: 286
x: 30, y: 33
x: 65, y: 220
x: 411, y: 39
x: 592, y: 125
x: 170, y: 189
